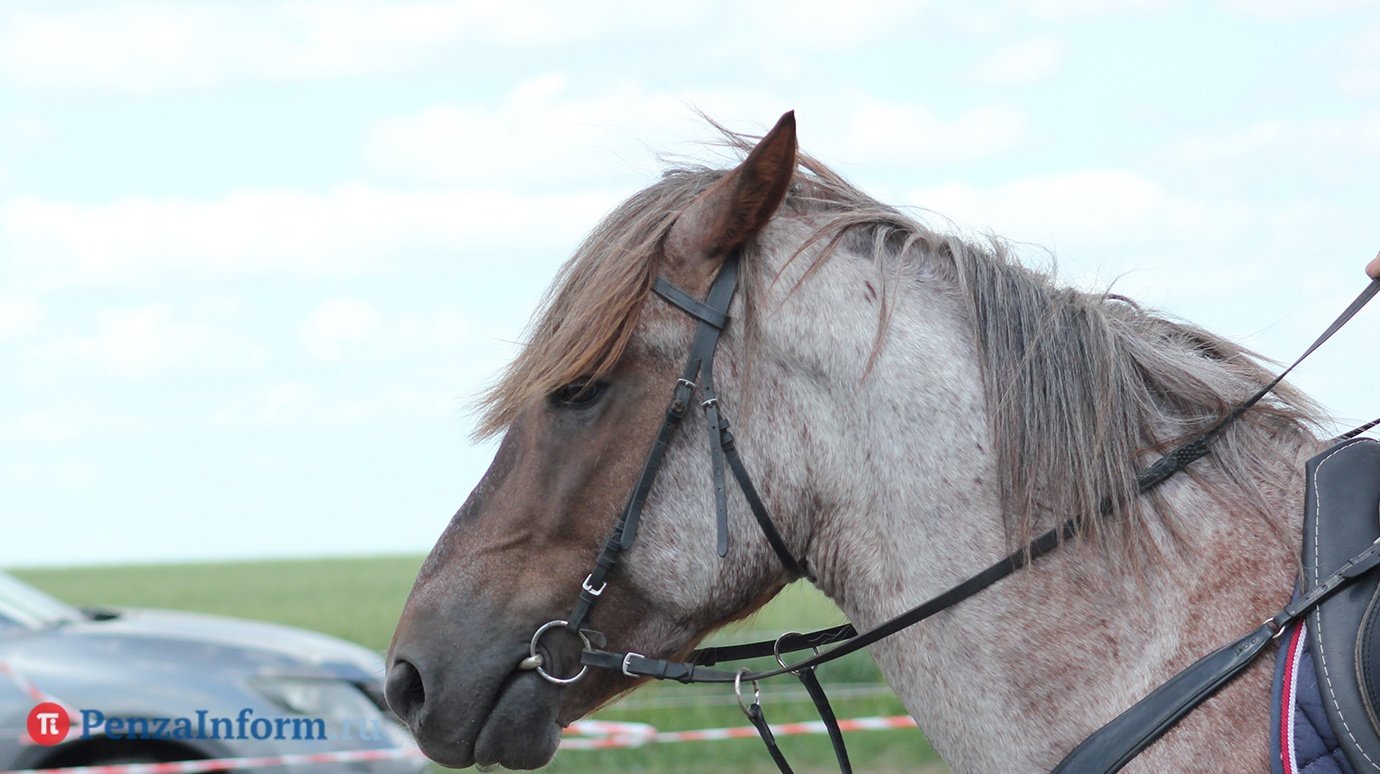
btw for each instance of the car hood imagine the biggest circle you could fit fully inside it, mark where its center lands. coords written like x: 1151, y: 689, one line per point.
x: 309, y: 651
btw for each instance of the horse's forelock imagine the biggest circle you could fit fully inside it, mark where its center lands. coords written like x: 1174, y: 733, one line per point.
x: 587, y: 318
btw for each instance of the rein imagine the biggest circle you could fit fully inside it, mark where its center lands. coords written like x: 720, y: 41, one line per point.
x: 1106, y: 750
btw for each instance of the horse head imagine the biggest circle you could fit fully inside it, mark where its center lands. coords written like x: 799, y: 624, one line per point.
x: 579, y: 410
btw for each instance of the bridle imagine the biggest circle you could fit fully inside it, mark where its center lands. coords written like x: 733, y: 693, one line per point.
x: 1106, y: 750
x: 698, y: 374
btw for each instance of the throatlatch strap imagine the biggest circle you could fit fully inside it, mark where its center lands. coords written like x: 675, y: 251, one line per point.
x: 758, y: 508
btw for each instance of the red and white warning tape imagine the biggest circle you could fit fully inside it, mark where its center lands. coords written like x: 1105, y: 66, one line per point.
x: 601, y: 735
x: 582, y: 735
x: 23, y: 684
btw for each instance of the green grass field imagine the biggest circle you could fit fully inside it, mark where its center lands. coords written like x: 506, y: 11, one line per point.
x: 359, y: 599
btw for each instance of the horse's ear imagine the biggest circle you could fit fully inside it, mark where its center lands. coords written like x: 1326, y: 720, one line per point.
x: 739, y: 204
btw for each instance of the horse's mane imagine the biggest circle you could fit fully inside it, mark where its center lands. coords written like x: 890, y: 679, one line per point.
x: 1081, y: 387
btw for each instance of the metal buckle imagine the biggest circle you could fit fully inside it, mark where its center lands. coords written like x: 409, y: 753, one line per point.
x: 1275, y: 627
x: 738, y: 689
x: 711, y: 402
x: 535, y: 661
x: 596, y: 592
x: 776, y: 651
x: 627, y: 663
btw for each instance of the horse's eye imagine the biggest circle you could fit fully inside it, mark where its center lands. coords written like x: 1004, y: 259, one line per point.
x: 578, y: 394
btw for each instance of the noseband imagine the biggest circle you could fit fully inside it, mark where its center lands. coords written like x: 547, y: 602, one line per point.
x: 1106, y: 750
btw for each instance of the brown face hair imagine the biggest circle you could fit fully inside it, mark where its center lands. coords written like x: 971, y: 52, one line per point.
x: 579, y: 408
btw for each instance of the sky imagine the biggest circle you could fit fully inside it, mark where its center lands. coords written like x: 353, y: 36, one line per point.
x: 258, y: 257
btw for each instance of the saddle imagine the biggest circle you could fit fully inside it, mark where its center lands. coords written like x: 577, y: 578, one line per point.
x: 1341, y: 515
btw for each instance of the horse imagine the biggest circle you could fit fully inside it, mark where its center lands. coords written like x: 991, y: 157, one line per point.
x: 915, y: 403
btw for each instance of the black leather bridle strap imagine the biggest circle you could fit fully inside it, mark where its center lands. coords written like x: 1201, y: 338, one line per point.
x: 759, y: 509
x: 1151, y: 477
x: 710, y: 404
x: 722, y: 446
x: 625, y: 530
x: 691, y: 305
x: 789, y: 643
x: 1198, y: 446
x: 759, y: 722
x: 692, y: 672
x: 826, y: 714
x: 1355, y: 431
x: 698, y: 372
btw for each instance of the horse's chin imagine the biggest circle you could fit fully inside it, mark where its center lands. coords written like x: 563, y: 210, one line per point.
x: 520, y: 731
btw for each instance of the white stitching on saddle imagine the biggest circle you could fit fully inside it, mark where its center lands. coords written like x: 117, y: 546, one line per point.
x: 1317, y: 613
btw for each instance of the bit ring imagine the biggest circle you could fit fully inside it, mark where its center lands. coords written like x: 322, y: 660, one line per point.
x: 535, y: 661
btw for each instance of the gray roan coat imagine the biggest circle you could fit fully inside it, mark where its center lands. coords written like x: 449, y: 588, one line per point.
x: 913, y: 405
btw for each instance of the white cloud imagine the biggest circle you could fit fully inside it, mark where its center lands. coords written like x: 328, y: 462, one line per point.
x: 1022, y: 63
x: 814, y: 25
x: 1292, y: 9
x: 56, y: 473
x: 345, y: 328
x: 337, y: 326
x: 1328, y: 151
x: 538, y: 134
x: 1360, y: 74
x: 19, y: 316
x: 342, y: 230
x: 541, y: 134
x: 146, y: 341
x: 896, y: 133
x: 439, y: 333
x: 161, y: 45
x: 156, y: 46
x: 1090, y: 207
x: 44, y: 426
x: 280, y: 401
x: 1073, y: 9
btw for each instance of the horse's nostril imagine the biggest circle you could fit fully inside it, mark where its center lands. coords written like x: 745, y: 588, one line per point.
x: 404, y: 691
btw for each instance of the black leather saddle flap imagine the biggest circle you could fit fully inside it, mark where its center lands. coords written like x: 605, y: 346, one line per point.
x: 1341, y: 517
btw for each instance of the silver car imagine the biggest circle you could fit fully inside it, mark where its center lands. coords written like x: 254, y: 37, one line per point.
x: 154, y: 685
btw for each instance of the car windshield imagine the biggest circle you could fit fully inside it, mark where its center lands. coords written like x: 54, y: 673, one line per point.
x: 23, y: 606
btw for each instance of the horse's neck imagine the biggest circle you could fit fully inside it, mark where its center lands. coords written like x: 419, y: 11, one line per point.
x: 1012, y: 678
x: 905, y: 502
